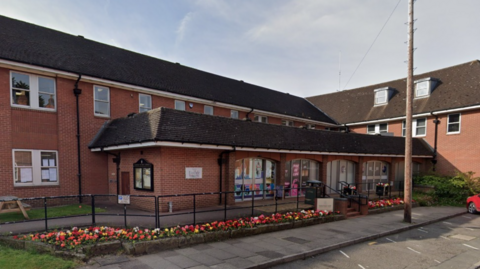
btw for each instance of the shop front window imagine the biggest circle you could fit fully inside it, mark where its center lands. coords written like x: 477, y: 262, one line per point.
x: 254, y: 178
x: 297, y: 173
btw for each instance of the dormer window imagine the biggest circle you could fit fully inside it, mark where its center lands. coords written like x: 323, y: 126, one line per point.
x: 382, y: 95
x: 424, y: 87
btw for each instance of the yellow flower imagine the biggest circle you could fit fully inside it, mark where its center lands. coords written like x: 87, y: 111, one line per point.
x: 154, y: 237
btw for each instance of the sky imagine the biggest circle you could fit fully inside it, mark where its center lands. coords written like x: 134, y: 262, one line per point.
x: 303, y: 47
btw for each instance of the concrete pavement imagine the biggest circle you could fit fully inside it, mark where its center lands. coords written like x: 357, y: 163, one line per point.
x: 266, y: 250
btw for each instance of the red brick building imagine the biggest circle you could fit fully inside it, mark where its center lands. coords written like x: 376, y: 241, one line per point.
x: 72, y: 106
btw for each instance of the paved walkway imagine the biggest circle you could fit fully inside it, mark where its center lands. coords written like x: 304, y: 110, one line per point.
x: 266, y: 250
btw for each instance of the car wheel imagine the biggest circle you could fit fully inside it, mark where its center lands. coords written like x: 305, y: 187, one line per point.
x: 471, y: 208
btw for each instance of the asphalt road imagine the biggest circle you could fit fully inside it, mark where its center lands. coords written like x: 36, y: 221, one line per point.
x: 454, y: 243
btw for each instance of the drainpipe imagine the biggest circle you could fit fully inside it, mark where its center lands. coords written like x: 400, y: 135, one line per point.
x: 248, y: 119
x: 347, y: 130
x: 77, y: 92
x: 436, y: 121
x: 220, y: 164
x: 116, y: 160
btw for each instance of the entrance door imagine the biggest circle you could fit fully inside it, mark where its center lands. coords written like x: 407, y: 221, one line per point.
x: 125, y: 183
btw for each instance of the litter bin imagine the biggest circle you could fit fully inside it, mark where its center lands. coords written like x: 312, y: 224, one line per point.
x: 313, y: 191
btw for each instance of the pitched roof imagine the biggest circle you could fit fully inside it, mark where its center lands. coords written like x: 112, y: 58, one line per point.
x: 458, y: 86
x: 169, y: 125
x: 32, y: 44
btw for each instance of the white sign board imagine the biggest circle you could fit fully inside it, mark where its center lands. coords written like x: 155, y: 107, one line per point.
x: 124, y: 199
x: 193, y: 172
x: 324, y: 204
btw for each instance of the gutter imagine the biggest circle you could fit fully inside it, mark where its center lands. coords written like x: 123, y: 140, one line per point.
x: 445, y: 111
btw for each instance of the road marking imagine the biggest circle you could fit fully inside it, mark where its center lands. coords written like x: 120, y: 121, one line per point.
x: 437, y: 261
x: 417, y: 214
x: 390, y: 240
x: 445, y: 237
x: 466, y: 217
x: 344, y: 254
x: 449, y: 223
x: 470, y: 246
x: 414, y: 250
x: 361, y: 266
x: 422, y: 230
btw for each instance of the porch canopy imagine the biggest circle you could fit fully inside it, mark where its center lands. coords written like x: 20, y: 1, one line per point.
x: 175, y: 128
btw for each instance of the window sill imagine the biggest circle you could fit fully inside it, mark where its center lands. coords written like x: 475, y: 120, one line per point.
x: 455, y: 133
x: 19, y: 107
x: 101, y: 116
x: 36, y: 186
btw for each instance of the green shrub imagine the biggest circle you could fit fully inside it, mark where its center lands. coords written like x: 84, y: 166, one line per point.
x: 448, y: 190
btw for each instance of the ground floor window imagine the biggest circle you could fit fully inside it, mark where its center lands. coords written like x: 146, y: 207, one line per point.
x: 374, y: 172
x: 400, y: 170
x: 297, y: 173
x: 254, y: 177
x: 339, y: 171
x: 35, y: 167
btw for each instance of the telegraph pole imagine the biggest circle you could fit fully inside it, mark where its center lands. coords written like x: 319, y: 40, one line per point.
x: 407, y: 216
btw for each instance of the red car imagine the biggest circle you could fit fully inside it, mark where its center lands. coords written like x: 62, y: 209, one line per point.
x: 473, y: 202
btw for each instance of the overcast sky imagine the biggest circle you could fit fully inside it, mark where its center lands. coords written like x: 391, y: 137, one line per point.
x: 290, y: 46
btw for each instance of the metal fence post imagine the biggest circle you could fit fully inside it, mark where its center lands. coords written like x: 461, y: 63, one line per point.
x: 46, y: 218
x: 194, y: 210
x: 298, y: 195
x: 158, y: 203
x: 125, y: 214
x: 253, y: 202
x: 93, y: 210
x: 155, y: 200
x: 225, y: 208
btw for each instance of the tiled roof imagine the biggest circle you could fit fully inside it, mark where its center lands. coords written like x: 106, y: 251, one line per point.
x: 32, y: 44
x: 458, y: 86
x: 169, y: 125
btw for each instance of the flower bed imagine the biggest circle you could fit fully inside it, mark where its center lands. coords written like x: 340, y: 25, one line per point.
x: 385, y: 203
x: 102, y: 240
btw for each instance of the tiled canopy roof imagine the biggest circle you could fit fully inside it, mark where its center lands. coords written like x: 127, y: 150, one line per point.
x: 32, y: 44
x: 458, y: 86
x: 169, y: 125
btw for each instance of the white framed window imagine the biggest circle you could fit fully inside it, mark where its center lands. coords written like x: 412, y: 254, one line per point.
x: 453, y: 123
x: 101, y: 98
x: 377, y: 128
x: 35, y: 167
x: 233, y: 114
x: 208, y: 110
x: 288, y: 123
x: 32, y: 91
x: 179, y: 105
x: 422, y: 89
x: 381, y: 97
x: 310, y: 126
x: 419, y: 127
x: 259, y: 118
x: 144, y: 102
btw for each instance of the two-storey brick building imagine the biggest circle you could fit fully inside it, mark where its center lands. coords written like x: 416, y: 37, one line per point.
x: 84, y: 117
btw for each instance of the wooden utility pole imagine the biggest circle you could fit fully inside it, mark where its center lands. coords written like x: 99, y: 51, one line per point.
x: 407, y: 216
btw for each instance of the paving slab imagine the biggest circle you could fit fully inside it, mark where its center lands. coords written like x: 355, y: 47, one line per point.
x: 267, y: 250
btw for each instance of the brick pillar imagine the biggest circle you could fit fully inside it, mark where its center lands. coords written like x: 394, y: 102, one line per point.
x: 281, y: 167
x: 358, y: 175
x: 323, y: 175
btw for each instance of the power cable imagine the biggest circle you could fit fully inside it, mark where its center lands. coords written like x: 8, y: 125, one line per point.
x: 372, y: 44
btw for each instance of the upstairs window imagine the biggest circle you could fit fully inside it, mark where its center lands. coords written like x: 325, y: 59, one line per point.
x: 419, y: 127
x: 421, y: 89
x: 179, y: 105
x: 234, y: 114
x: 144, y: 102
x: 381, y: 97
x: 453, y: 124
x: 310, y: 126
x: 377, y: 128
x: 208, y: 110
x: 32, y: 91
x: 102, y: 101
x: 258, y: 118
x: 288, y: 123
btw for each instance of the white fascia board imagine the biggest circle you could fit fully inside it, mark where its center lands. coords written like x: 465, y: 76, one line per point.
x: 104, y: 82
x: 287, y: 117
x: 205, y: 146
x: 460, y: 109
